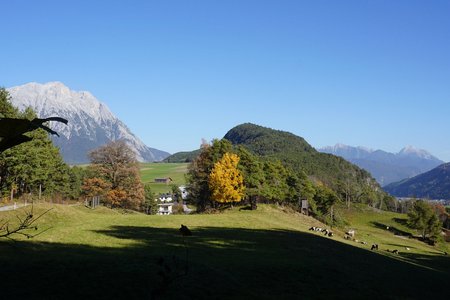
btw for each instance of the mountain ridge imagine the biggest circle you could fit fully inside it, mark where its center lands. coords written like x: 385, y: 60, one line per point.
x: 91, y: 122
x: 297, y: 153
x: 434, y: 184
x: 387, y: 167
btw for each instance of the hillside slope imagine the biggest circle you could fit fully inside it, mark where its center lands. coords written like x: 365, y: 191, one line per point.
x: 182, y: 157
x: 261, y: 254
x: 434, y: 184
x: 296, y: 153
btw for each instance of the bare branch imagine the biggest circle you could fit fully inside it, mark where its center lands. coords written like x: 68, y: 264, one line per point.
x: 24, y: 224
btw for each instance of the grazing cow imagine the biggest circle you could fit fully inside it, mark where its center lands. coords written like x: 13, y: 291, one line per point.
x: 407, y: 248
x: 184, y: 230
x: 351, y: 233
x: 347, y: 237
x: 330, y: 234
x: 364, y: 243
x: 395, y: 251
x: 374, y: 247
x: 312, y: 228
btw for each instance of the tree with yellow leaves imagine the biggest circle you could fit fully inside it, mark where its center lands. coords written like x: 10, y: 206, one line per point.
x: 226, y: 182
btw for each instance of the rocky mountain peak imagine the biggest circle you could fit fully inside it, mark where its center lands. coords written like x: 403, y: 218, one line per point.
x: 91, y: 123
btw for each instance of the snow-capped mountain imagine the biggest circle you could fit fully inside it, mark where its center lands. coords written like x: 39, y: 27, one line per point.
x: 384, y: 166
x: 347, y: 151
x: 412, y: 151
x: 91, y: 123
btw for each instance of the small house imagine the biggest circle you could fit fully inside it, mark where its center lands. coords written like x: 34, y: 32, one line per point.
x: 165, y: 208
x: 165, y: 198
x: 165, y: 204
x: 166, y: 180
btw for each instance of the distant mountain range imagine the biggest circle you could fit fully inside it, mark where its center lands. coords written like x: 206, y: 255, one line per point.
x: 434, y: 184
x: 91, y: 123
x: 384, y: 166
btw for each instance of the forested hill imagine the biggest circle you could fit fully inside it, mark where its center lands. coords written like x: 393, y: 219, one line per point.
x: 434, y: 184
x: 296, y: 153
x: 182, y: 157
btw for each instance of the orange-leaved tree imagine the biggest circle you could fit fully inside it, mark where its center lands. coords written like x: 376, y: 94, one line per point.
x: 226, y: 182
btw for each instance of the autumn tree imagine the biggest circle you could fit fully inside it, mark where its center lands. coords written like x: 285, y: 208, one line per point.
x: 95, y: 187
x: 226, y: 181
x: 116, y: 164
x: 199, y: 170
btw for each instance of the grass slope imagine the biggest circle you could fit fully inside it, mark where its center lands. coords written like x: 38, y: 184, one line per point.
x: 150, y: 171
x: 239, y: 254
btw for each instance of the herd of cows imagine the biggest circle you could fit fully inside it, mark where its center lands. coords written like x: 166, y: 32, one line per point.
x: 349, y: 235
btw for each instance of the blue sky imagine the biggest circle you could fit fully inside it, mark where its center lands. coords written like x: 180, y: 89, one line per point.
x: 370, y: 73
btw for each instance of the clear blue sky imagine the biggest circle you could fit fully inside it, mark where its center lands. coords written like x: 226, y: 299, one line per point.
x: 372, y: 73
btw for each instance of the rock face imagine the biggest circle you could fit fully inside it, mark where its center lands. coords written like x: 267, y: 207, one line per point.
x: 384, y: 166
x: 91, y: 123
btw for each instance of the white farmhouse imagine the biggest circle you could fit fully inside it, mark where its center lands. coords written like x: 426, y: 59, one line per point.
x: 165, y: 205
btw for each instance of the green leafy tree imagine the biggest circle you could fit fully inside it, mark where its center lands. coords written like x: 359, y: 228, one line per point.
x: 254, y: 177
x: 275, y: 187
x: 322, y: 204
x: 176, y: 193
x: 150, y: 205
x: 7, y: 110
x: 199, y: 170
x: 300, y: 187
x: 422, y: 216
x: 35, y: 166
x: 76, y: 178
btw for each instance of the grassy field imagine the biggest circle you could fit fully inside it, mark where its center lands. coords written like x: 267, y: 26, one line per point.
x: 150, y: 171
x: 238, y: 254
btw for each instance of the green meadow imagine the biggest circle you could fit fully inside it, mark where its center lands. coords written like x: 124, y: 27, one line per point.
x: 150, y: 171
x: 237, y: 254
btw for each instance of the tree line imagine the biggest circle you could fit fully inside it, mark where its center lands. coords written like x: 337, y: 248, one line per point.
x: 222, y: 175
x: 34, y: 168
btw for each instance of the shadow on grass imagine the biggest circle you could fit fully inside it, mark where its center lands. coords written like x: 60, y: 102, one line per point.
x: 401, y: 221
x: 224, y: 263
x: 392, y: 229
x: 401, y: 247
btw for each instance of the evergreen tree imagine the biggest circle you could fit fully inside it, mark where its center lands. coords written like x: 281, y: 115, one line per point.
x: 275, y: 188
x: 199, y: 170
x: 32, y: 167
x: 254, y: 178
x: 150, y: 205
x: 422, y: 216
x: 7, y: 110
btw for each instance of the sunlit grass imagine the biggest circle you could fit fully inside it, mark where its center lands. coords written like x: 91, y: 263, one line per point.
x: 268, y: 253
x: 150, y: 171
